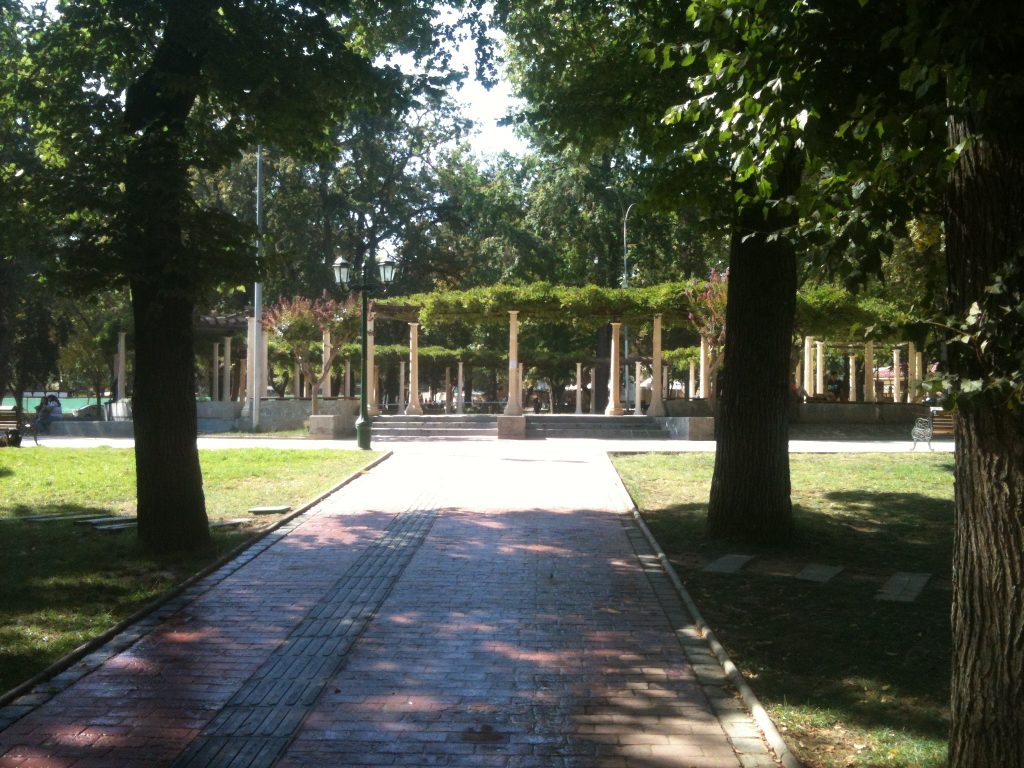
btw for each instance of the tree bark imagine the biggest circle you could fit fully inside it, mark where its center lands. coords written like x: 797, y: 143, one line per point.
x: 984, y: 235
x: 749, y: 500
x: 162, y: 274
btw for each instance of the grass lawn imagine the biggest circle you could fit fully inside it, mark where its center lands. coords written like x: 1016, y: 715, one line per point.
x: 62, y: 583
x: 849, y: 680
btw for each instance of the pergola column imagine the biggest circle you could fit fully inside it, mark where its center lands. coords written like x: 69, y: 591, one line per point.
x: 912, y: 374
x: 225, y: 390
x: 705, y: 353
x: 514, y: 405
x: 638, y: 404
x: 401, y: 387
x: 372, y: 407
x: 852, y: 381
x: 869, y: 372
x: 122, y: 365
x: 593, y: 390
x: 447, y: 389
x: 460, y: 401
x: 819, y: 368
x: 808, y: 366
x: 214, y: 375
x: 614, y: 398
x: 897, y: 389
x: 657, y: 406
x: 522, y: 377
x: 414, y: 408
x: 327, y: 390
x: 348, y: 378
x: 798, y: 374
x: 297, y: 382
x: 579, y: 387
x: 691, y: 389
x: 264, y: 362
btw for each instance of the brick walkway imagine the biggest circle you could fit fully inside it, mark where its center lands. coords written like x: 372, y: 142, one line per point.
x: 461, y: 605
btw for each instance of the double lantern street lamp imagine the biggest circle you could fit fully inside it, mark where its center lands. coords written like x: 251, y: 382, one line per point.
x: 366, y: 284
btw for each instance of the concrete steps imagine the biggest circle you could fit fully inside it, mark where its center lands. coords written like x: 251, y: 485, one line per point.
x: 594, y: 426
x: 436, y: 427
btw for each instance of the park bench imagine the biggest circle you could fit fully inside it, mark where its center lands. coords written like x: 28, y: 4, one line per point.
x: 13, y: 418
x: 938, y: 424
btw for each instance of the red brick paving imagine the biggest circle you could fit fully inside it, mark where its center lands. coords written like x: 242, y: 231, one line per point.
x: 529, y: 628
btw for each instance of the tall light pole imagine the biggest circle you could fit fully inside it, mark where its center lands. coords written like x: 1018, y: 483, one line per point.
x: 625, y: 280
x: 258, y: 386
x: 366, y: 284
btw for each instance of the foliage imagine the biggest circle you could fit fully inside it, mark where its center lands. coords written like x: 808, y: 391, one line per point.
x: 299, y: 327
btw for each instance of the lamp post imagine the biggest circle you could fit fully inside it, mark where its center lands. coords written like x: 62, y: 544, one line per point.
x: 625, y: 279
x: 365, y: 284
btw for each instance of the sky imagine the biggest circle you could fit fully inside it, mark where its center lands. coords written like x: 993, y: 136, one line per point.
x: 486, y: 108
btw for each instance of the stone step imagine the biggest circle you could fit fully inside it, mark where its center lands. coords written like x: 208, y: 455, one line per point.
x: 378, y: 431
x: 599, y: 434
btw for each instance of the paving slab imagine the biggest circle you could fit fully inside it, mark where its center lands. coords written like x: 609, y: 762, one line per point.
x: 903, y: 587
x: 728, y: 564
x: 819, y: 573
x: 466, y: 607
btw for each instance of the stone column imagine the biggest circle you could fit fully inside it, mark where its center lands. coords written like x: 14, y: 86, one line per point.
x: 447, y: 389
x: 614, y: 396
x: 348, y: 378
x: 521, y: 388
x: 808, y: 366
x: 214, y: 375
x: 921, y: 372
x: 579, y: 387
x: 691, y: 390
x: 225, y: 390
x: 638, y: 400
x: 819, y: 368
x: 657, y: 406
x: 401, y: 387
x: 414, y: 408
x: 122, y: 365
x: 869, y: 372
x: 327, y: 390
x: 705, y: 367
x: 297, y: 382
x: 460, y: 402
x: 372, y: 407
x: 897, y: 388
x: 798, y: 374
x: 852, y: 381
x: 514, y: 406
x: 593, y: 390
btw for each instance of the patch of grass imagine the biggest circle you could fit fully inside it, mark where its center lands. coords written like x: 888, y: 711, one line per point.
x: 851, y: 681
x: 62, y: 583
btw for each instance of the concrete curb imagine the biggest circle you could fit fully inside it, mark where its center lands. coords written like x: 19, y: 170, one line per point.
x: 99, y: 641
x: 732, y: 673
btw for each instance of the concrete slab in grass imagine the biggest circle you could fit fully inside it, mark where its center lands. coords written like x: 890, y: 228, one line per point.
x: 903, y: 587
x: 819, y: 573
x: 269, y: 510
x: 728, y: 564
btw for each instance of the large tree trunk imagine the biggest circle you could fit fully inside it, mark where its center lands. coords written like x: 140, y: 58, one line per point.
x: 985, y: 235
x: 162, y: 274
x: 749, y: 500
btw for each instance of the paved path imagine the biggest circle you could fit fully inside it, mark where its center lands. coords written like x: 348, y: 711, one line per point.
x: 465, y: 605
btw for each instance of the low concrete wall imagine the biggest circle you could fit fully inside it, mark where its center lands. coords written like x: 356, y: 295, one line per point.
x: 687, y: 408
x: 859, y: 413
x: 292, y: 414
x: 688, y: 427
x: 76, y: 428
x: 216, y: 409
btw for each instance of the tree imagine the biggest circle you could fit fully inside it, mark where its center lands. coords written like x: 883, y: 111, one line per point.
x: 301, y: 326
x: 131, y: 97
